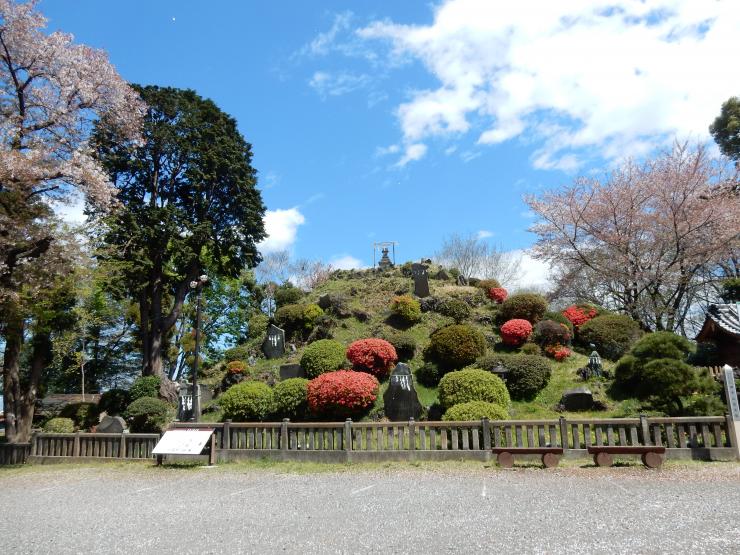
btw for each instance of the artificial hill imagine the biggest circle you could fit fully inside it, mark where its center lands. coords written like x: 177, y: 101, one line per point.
x: 540, y: 347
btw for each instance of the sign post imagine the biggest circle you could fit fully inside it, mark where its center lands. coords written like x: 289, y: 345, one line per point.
x: 186, y: 441
x: 734, y: 409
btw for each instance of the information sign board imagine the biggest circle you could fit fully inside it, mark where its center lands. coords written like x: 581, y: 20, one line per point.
x: 183, y: 441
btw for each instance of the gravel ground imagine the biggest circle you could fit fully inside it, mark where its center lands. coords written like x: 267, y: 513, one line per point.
x: 398, y: 509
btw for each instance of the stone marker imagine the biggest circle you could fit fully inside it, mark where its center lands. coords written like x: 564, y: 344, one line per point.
x: 400, y: 399
x: 442, y: 275
x: 728, y: 377
x: 288, y: 371
x: 111, y: 425
x: 576, y: 399
x: 274, y: 344
x: 421, y: 280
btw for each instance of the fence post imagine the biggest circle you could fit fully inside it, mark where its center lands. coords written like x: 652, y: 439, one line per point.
x: 564, y: 443
x: 226, y: 435
x: 34, y: 444
x: 486, y: 434
x: 733, y: 435
x: 76, y: 446
x: 645, y: 430
x: 412, y: 434
x: 122, y: 447
x: 348, y: 434
x: 284, y: 439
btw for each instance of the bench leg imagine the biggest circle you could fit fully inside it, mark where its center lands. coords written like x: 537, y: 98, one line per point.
x: 603, y: 459
x: 505, y: 459
x: 652, y: 459
x: 550, y: 460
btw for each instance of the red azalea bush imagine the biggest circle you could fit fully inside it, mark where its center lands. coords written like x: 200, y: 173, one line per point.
x: 342, y: 394
x: 497, y: 294
x: 558, y: 352
x: 516, y: 332
x: 375, y: 356
x: 580, y: 314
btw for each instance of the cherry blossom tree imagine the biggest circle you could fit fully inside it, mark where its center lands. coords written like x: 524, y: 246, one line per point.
x: 51, y: 94
x: 647, y: 237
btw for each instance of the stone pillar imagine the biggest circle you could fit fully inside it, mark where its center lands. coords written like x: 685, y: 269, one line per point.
x: 733, y: 416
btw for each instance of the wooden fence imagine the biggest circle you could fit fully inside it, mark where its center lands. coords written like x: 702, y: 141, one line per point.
x: 91, y: 446
x: 14, y: 453
x: 693, y: 437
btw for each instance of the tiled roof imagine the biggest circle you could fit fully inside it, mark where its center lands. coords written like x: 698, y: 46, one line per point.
x: 726, y: 316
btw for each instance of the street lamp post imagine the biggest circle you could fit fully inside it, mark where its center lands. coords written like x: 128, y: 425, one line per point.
x: 197, y: 286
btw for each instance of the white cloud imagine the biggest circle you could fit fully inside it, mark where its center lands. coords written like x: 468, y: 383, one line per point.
x: 328, y: 84
x: 413, y: 152
x: 282, y: 227
x: 323, y: 43
x: 484, y: 234
x: 346, y: 262
x: 582, y: 78
x: 385, y: 150
x: 72, y: 211
x: 534, y: 273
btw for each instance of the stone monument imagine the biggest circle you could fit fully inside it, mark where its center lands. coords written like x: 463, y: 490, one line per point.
x: 728, y: 377
x: 111, y: 425
x: 274, y: 344
x: 579, y: 398
x: 400, y: 399
x: 421, y: 280
x: 385, y: 261
x: 288, y: 371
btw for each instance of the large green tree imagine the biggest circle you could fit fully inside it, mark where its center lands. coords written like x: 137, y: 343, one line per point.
x: 726, y: 128
x: 188, y: 202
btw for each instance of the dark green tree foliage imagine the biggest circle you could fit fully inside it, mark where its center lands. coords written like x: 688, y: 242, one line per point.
x: 731, y: 290
x: 726, y: 128
x: 655, y: 370
x: 189, y: 203
x: 149, y: 415
x: 286, y: 294
x: 145, y: 386
x: 612, y: 334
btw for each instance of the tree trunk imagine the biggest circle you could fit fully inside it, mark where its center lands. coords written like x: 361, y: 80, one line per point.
x: 11, y: 377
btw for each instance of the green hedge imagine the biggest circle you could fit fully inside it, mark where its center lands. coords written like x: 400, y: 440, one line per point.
x: 475, y: 410
x: 114, y: 401
x: 145, y: 386
x: 59, y: 426
x: 455, y: 346
x: 406, y: 308
x: 472, y: 384
x: 248, y: 401
x: 524, y: 306
x: 84, y: 415
x: 454, y: 308
x: 291, y: 398
x: 149, y: 415
x: 324, y: 355
x: 527, y: 376
x: 612, y: 334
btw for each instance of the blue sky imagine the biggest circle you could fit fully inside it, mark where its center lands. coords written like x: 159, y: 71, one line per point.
x: 408, y: 121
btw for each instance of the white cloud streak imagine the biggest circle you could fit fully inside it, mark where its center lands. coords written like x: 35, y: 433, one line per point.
x: 582, y: 78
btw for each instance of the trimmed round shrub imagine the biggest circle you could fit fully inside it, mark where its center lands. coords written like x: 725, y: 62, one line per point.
x: 84, y: 415
x: 342, y: 394
x: 248, y: 401
x: 472, y: 384
x: 114, y: 401
x: 475, y: 410
x: 497, y: 294
x: 531, y: 349
x: 240, y: 352
x: 488, y: 284
x: 298, y: 319
x: 455, y: 346
x: 403, y: 343
x: 516, y: 332
x: 291, y: 398
x: 324, y: 355
x: 527, y: 376
x: 549, y: 332
x: 59, y: 426
x: 406, y: 308
x: 524, y: 306
x: 236, y: 367
x: 145, y: 386
x: 560, y: 319
x: 454, y: 308
x: 148, y: 415
x: 287, y: 294
x: 375, y: 356
x: 429, y: 374
x: 579, y: 314
x: 612, y: 334
x: 662, y: 344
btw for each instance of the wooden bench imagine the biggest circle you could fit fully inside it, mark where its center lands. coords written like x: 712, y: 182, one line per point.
x: 652, y: 455
x: 550, y: 455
